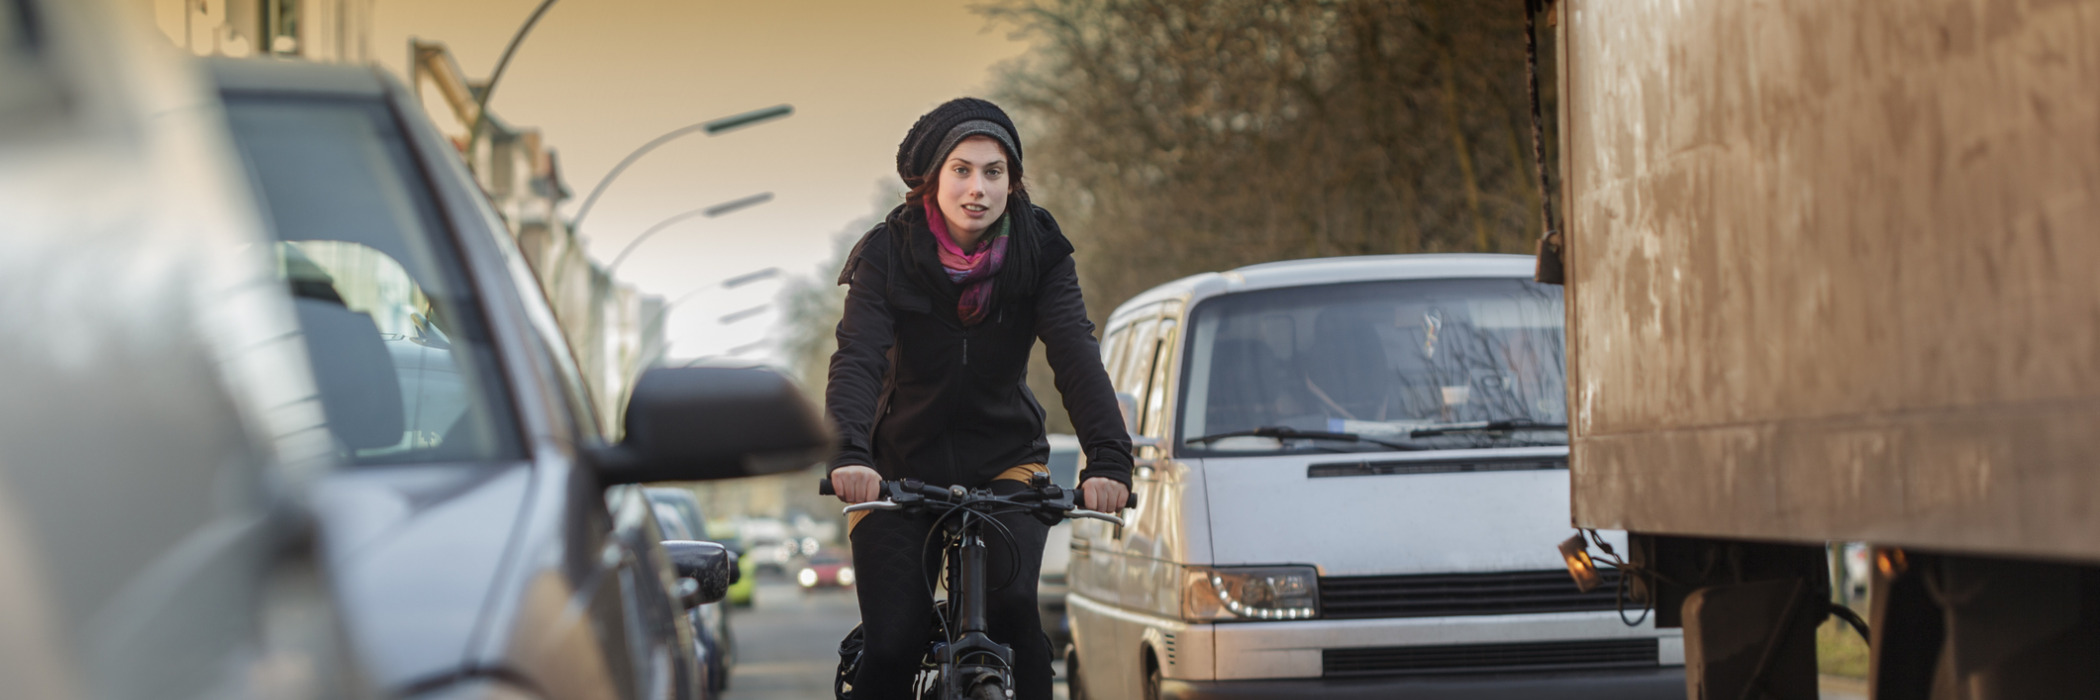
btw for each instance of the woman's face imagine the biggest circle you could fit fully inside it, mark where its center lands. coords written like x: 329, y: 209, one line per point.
x: 973, y: 187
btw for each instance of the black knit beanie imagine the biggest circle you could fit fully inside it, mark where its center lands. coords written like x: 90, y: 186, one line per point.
x: 938, y: 131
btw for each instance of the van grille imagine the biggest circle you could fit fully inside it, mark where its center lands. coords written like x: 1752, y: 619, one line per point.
x: 1583, y: 655
x: 1436, y: 466
x: 1434, y: 595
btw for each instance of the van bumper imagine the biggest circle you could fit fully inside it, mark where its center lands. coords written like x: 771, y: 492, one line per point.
x: 1658, y: 683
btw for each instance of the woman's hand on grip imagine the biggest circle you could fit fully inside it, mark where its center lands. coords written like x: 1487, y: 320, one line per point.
x: 856, y: 484
x: 1104, y: 495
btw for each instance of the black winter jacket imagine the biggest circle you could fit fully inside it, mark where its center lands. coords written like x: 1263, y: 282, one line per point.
x: 917, y: 395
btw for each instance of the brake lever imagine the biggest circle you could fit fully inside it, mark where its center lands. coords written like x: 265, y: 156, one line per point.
x: 873, y: 505
x: 1096, y: 515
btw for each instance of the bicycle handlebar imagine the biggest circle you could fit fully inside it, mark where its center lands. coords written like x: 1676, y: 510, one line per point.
x: 916, y: 493
x: 824, y: 489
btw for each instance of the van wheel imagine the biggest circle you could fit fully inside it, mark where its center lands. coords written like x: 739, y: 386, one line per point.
x: 1151, y: 678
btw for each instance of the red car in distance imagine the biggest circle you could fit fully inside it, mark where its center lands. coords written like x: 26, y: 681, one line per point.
x: 826, y: 569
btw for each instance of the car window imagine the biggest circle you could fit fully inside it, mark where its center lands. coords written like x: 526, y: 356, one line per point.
x: 400, y: 352
x: 1379, y: 360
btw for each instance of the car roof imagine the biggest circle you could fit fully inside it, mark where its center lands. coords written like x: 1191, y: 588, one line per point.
x: 1338, y: 270
x: 303, y: 77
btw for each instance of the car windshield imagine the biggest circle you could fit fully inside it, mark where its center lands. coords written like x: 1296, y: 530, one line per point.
x: 1377, y: 361
x: 399, y: 352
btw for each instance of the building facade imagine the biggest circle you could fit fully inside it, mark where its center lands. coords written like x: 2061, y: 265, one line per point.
x: 334, y: 31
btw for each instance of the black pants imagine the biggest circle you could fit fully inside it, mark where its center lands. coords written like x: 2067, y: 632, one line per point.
x: 896, y: 608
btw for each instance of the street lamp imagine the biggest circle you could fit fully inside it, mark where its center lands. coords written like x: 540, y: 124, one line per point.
x: 708, y: 212
x: 731, y: 283
x: 711, y: 126
x: 736, y: 316
x: 481, y: 106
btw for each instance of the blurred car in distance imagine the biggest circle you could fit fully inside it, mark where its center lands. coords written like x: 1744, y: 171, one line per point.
x: 769, y: 545
x: 670, y: 526
x: 828, y: 568
x: 486, y: 534
x: 1347, y: 470
x: 678, y: 512
x: 742, y: 592
x: 1065, y: 462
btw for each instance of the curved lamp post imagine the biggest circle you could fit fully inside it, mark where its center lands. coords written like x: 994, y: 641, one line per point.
x: 481, y: 106
x: 711, y: 127
x: 731, y: 283
x: 708, y: 212
x: 736, y: 316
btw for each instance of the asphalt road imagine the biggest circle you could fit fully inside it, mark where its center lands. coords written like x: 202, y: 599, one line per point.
x: 787, y: 643
x: 787, y: 646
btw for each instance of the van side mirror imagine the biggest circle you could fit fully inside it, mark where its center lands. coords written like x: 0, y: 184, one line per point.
x: 1129, y: 403
x: 704, y: 423
x: 708, y: 566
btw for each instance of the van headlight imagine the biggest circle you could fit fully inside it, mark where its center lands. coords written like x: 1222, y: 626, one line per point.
x: 808, y: 578
x: 1264, y: 593
x: 845, y: 576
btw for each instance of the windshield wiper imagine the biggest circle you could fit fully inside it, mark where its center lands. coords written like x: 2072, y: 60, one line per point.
x: 1484, y: 426
x: 1287, y: 433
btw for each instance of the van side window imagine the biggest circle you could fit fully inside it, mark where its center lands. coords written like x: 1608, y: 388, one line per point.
x: 1114, y: 347
x: 1155, y: 399
x: 1129, y: 376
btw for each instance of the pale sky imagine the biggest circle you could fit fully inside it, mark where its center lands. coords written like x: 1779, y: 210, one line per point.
x: 600, y: 77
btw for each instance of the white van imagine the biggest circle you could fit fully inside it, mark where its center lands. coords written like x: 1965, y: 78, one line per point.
x: 1352, y: 475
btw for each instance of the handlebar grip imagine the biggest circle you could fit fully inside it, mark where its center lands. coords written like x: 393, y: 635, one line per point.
x: 824, y: 487
x: 1132, y: 502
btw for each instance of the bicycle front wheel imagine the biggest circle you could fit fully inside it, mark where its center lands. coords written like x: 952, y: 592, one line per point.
x: 987, y: 690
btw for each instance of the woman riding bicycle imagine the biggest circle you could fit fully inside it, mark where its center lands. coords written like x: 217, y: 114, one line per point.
x: 948, y: 296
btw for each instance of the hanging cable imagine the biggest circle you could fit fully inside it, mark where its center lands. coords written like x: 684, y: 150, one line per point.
x: 1550, y: 269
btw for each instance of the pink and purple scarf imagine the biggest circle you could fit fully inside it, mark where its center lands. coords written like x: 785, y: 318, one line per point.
x: 971, y: 271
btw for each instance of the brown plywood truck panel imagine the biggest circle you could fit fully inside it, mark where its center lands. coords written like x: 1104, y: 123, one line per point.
x: 1832, y: 270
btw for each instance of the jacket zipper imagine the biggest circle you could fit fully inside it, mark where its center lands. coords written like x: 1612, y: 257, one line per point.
x: 966, y: 349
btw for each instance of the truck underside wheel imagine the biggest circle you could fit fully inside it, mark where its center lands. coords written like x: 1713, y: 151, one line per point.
x: 1749, y: 611
x: 1970, y: 628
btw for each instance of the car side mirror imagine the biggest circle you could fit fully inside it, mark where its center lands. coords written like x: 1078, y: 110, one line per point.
x: 708, y: 566
x: 704, y: 423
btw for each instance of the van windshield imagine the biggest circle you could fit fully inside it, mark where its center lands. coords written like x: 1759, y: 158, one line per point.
x: 1383, y: 361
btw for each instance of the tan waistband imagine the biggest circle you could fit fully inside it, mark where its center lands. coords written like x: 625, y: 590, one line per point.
x: 1020, y: 474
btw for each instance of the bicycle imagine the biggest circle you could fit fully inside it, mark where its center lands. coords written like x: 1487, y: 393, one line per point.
x: 962, y: 662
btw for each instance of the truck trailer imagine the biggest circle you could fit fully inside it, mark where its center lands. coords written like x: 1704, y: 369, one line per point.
x: 1830, y: 278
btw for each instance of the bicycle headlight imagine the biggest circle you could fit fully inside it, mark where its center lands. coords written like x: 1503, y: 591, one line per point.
x: 1264, y: 593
